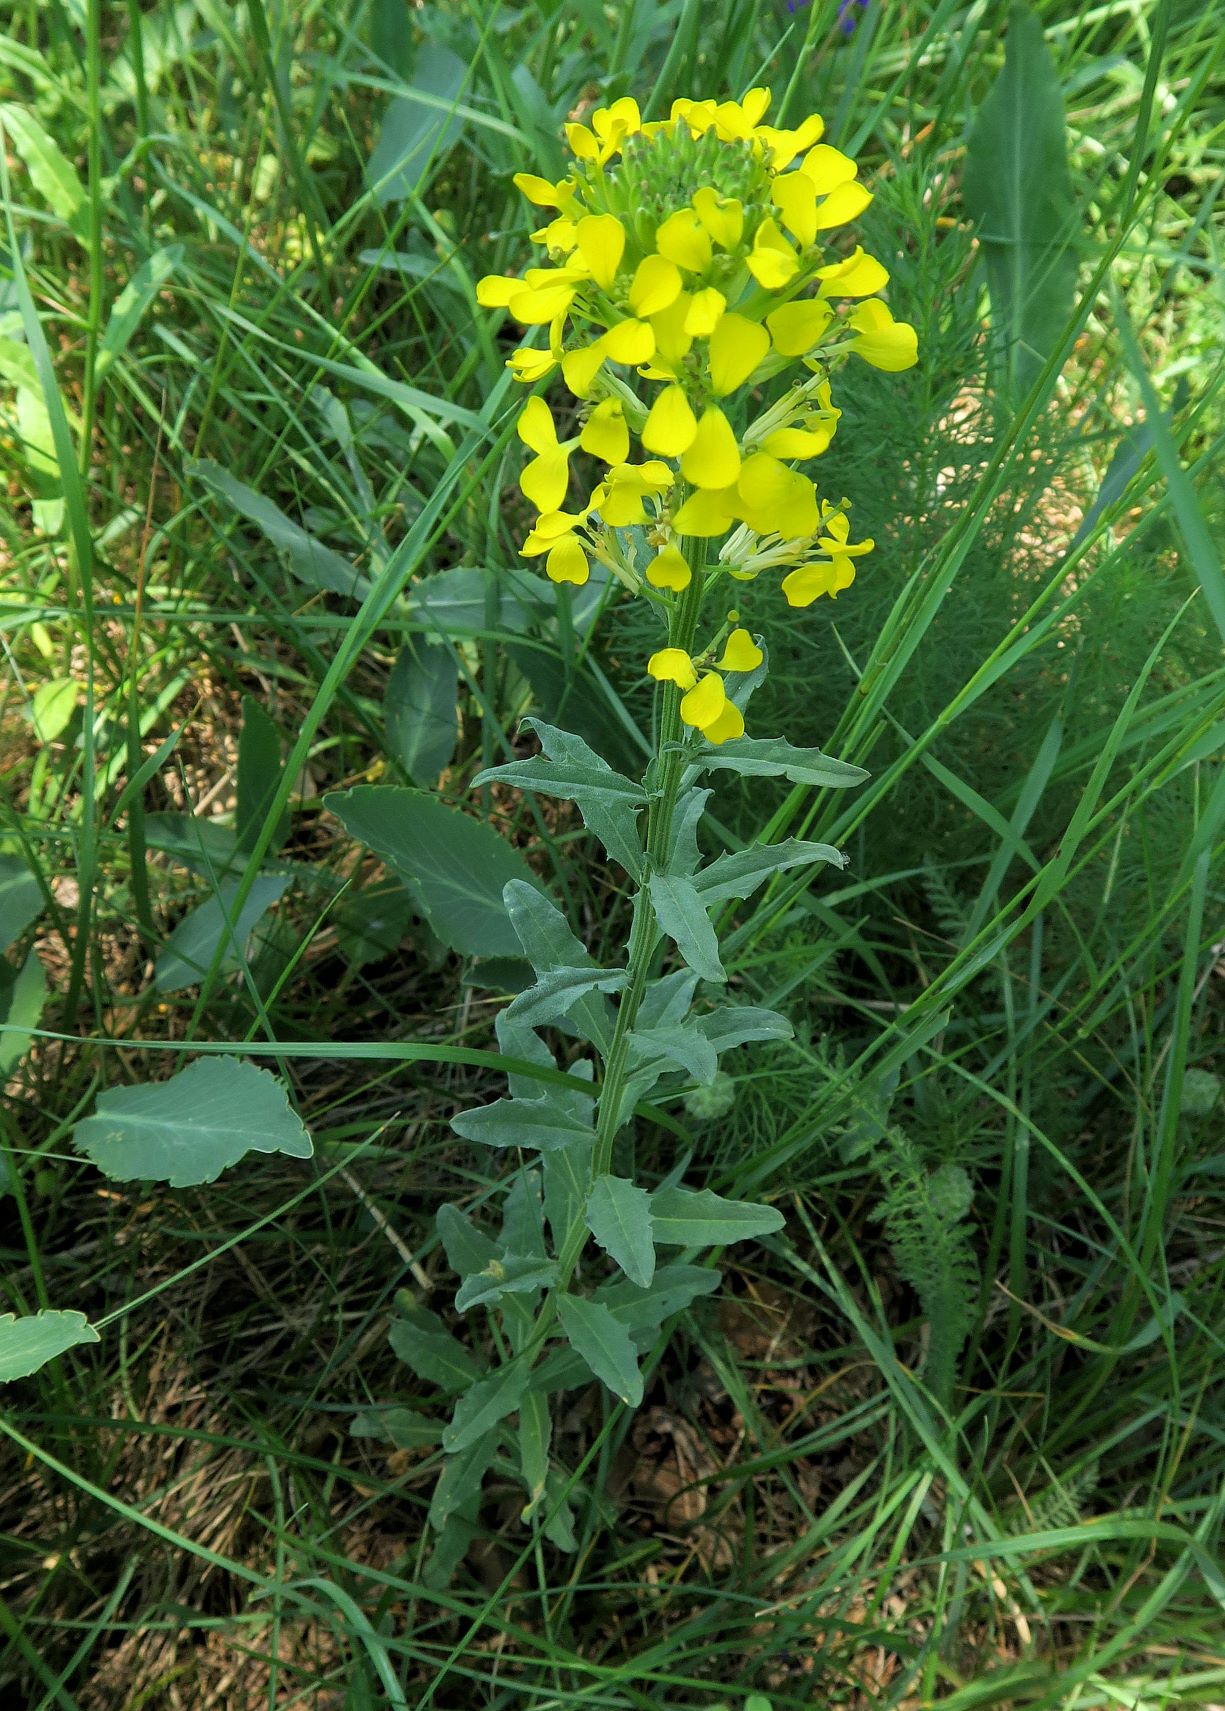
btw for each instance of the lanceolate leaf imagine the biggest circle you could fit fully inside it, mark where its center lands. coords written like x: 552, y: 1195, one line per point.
x: 402, y: 1427
x: 189, y: 951
x: 423, y: 1343
x: 604, y: 1344
x: 455, y: 866
x: 682, y: 915
x: 772, y: 757
x: 507, y: 1274
x: 467, y: 1248
x: 619, y: 1217
x: 1018, y: 187
x: 419, y: 709
x: 541, y: 1123
x: 737, y: 1024
x: 683, y: 1044
x: 21, y: 899
x: 607, y: 801
x: 480, y: 1408
x: 459, y: 1483
x: 308, y: 559
x: 698, y: 1218
x: 740, y: 873
x: 547, y: 943
x: 190, y: 1128
x: 555, y: 993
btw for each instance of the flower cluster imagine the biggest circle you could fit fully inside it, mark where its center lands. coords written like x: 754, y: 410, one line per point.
x: 687, y: 269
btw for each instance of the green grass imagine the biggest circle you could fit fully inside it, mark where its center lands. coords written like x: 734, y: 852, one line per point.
x: 1008, y: 989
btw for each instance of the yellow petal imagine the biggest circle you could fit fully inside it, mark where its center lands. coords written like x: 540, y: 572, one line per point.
x: 796, y: 327
x: 601, y: 243
x: 580, y: 367
x: 535, y: 428
x: 705, y: 312
x: 783, y: 146
x: 672, y: 342
x: 772, y: 261
x: 713, y: 458
x: 826, y: 168
x: 755, y: 105
x: 495, y: 291
x: 605, y: 434
x: 583, y: 144
x: 567, y: 562
x: 880, y: 340
x: 671, y: 425
x: 704, y: 702
x: 542, y: 192
x: 630, y: 341
x: 775, y: 499
x: 722, y: 216
x: 798, y: 442
x: 859, y: 275
x: 845, y: 203
x: 737, y: 345
x: 740, y: 653
x: 546, y: 478
x: 537, y: 304
x: 706, y: 514
x: 656, y: 283
x: 795, y: 197
x: 808, y: 582
x: 672, y: 665
x: 669, y: 569
x: 727, y: 726
x: 683, y: 238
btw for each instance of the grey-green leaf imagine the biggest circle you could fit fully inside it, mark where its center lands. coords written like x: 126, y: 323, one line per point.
x: 405, y: 1428
x: 426, y: 1347
x: 419, y: 709
x: 507, y: 1274
x: 554, y: 995
x: 774, y: 757
x: 541, y: 1123
x: 51, y: 172
x: 129, y: 307
x: 682, y: 915
x: 1018, y: 187
x: 459, y: 1483
x: 684, y: 1044
x: 455, y: 866
x: 21, y: 899
x: 699, y: 1218
x: 418, y: 126
x: 739, y: 873
x: 737, y: 1024
x: 481, y: 1408
x: 188, y: 953
x: 547, y: 942
x: 27, y: 993
x: 467, y: 1248
x: 619, y: 1217
x: 568, y: 767
x: 187, y: 1130
x: 604, y: 1344
x: 29, y: 1342
x: 259, y: 774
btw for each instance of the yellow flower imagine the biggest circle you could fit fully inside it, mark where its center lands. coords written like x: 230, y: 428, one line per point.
x: 567, y: 562
x: 606, y: 434
x: 722, y: 216
x: 705, y: 312
x: 546, y: 477
x: 702, y: 705
x: 600, y: 239
x: 772, y: 260
x: 610, y: 126
x: 726, y: 725
x: 549, y: 529
x: 796, y: 327
x: 809, y: 581
x: 530, y: 365
x: 683, y: 239
x: 740, y: 653
x: 858, y: 275
x: 621, y: 496
x: 671, y: 425
x: 630, y: 341
x: 737, y: 345
x: 656, y: 284
x: 545, y: 194
x: 704, y: 515
x: 712, y: 459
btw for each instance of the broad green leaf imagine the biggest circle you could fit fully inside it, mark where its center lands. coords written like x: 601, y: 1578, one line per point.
x: 607, y: 801
x: 739, y: 873
x: 52, y: 706
x: 371, y: 923
x: 515, y: 1039
x: 604, y: 1344
x: 27, y: 993
x: 309, y: 560
x: 682, y: 915
x: 683, y: 851
x: 481, y: 1407
x: 21, y: 899
x: 419, y: 709
x: 699, y: 1218
x: 426, y: 1347
x: 29, y: 1342
x: 547, y: 943
x: 189, y: 1129
x: 205, y: 846
x: 259, y: 774
x: 51, y: 173
x: 565, y: 1175
x: 188, y: 953
x: 455, y: 866
x: 129, y: 307
x: 507, y: 1274
x: 1018, y: 187
x: 467, y: 1248
x: 418, y: 127
x: 619, y: 1217
x: 667, y: 1000
x: 683, y: 1044
x: 541, y: 1123
x: 554, y: 995
x: 773, y: 757
x: 737, y: 1024
x: 402, y: 1427
x: 459, y: 1484
x: 673, y: 1288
